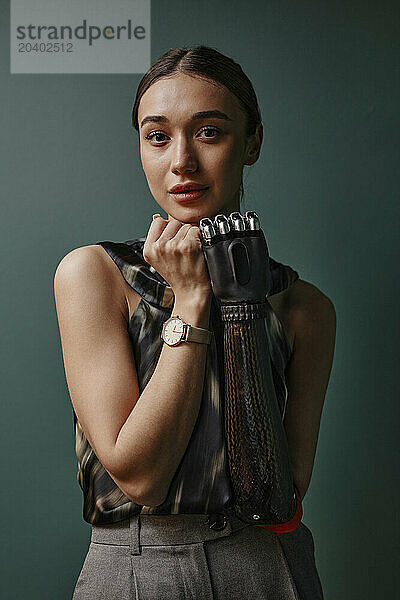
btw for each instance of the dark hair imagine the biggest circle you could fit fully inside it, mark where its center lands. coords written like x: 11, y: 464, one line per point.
x: 207, y: 62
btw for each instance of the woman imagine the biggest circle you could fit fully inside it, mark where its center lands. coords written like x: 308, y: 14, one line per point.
x: 149, y: 415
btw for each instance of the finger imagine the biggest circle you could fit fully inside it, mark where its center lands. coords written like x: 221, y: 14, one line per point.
x: 193, y: 238
x: 172, y: 227
x: 156, y: 228
x: 182, y: 232
x: 194, y: 233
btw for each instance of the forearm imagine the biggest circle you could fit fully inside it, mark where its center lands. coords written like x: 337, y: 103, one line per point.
x: 258, y: 452
x: 153, y: 439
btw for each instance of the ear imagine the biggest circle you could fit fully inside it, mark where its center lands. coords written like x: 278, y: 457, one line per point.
x: 253, y: 146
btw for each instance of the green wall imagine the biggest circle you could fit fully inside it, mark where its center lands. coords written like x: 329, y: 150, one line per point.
x: 325, y: 188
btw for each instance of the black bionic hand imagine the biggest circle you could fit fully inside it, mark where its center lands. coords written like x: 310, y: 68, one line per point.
x: 236, y: 257
x: 236, y: 254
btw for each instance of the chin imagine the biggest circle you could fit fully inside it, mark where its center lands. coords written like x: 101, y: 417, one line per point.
x: 193, y: 213
x: 193, y: 216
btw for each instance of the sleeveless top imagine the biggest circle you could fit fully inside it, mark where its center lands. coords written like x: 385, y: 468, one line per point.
x: 201, y: 481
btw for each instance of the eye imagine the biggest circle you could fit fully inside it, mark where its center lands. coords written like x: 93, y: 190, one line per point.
x: 153, y: 134
x: 210, y: 129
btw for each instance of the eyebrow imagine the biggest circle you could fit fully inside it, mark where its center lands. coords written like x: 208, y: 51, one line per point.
x: 217, y: 114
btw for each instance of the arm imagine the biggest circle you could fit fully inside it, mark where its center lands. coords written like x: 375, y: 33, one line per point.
x: 258, y: 453
x: 139, y: 439
x: 158, y: 431
x: 313, y: 319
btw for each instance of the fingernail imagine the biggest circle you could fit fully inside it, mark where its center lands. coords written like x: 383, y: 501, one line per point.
x: 156, y: 215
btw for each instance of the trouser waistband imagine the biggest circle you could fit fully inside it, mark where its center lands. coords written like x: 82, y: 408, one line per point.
x: 154, y: 530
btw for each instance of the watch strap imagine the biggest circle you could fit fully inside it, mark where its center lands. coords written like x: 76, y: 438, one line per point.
x: 197, y: 334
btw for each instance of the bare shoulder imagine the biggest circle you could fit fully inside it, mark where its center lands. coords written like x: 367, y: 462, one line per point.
x: 82, y: 259
x: 309, y: 310
x: 89, y: 271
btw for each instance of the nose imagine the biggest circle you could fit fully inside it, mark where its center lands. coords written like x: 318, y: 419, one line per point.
x: 183, y: 158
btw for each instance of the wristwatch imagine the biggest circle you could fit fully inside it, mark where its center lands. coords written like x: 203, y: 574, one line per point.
x: 174, y: 331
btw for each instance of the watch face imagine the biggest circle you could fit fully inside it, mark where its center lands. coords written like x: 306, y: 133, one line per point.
x: 173, y: 331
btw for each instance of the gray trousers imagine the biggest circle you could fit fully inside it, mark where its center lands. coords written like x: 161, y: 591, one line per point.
x: 197, y: 557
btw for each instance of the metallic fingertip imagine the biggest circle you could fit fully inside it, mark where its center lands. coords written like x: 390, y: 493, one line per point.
x: 253, y: 220
x: 222, y: 224
x: 207, y: 228
x: 237, y: 221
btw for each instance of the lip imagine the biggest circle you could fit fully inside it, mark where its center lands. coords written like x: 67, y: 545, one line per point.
x: 189, y: 186
x: 189, y: 196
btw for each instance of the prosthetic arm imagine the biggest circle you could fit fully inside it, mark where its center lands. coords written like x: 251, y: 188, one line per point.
x: 237, y: 259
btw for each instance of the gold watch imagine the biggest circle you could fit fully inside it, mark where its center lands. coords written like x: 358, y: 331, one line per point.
x: 174, y: 331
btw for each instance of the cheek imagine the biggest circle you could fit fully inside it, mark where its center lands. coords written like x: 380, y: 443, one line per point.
x: 229, y: 156
x: 152, y: 166
x: 229, y: 166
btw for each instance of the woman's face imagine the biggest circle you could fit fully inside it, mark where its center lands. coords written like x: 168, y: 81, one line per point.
x: 177, y: 146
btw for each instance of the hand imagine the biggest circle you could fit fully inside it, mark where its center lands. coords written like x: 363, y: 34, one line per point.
x: 174, y: 250
x: 237, y: 260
